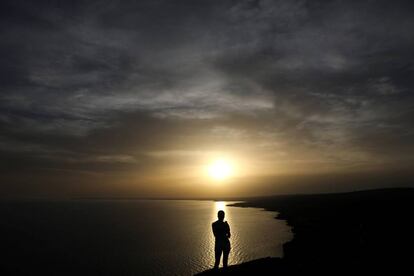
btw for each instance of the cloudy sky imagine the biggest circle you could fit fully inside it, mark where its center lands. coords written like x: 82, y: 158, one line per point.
x: 135, y: 98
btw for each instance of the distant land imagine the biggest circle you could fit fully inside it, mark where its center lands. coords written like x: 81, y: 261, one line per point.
x: 366, y: 231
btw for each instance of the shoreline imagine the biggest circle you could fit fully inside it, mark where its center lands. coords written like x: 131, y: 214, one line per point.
x: 357, y: 231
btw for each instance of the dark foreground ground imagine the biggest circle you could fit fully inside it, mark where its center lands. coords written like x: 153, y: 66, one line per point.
x: 370, y: 232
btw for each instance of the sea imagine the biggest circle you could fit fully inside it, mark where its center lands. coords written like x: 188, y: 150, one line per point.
x: 130, y: 237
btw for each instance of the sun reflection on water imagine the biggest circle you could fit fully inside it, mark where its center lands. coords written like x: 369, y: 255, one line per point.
x: 220, y: 205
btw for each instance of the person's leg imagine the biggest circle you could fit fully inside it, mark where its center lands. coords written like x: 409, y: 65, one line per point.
x: 217, y: 253
x: 226, y: 252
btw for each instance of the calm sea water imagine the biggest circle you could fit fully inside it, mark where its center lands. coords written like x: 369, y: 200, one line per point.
x: 136, y: 237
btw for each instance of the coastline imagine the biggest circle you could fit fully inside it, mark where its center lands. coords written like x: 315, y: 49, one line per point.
x: 346, y: 232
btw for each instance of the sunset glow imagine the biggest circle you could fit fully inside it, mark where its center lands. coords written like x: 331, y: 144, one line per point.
x: 205, y: 98
x: 220, y: 169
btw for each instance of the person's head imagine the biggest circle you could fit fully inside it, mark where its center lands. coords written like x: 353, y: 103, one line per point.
x: 220, y: 215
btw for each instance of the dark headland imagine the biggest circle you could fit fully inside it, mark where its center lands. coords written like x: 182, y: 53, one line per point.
x: 366, y: 231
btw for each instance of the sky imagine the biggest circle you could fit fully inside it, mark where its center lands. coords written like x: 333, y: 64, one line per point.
x: 137, y: 98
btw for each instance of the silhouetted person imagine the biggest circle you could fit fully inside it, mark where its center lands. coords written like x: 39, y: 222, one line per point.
x: 221, y: 231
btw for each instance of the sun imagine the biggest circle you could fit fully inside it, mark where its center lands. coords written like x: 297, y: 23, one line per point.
x: 220, y: 169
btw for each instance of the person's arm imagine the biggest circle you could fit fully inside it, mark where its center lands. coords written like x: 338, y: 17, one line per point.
x: 214, y: 229
x: 228, y: 230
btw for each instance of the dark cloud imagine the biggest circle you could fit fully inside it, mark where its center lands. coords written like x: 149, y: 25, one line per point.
x: 140, y: 86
